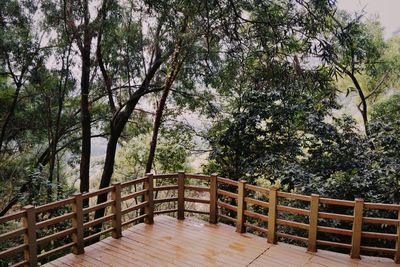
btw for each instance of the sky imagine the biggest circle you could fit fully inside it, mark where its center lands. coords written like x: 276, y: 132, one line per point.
x: 388, y: 12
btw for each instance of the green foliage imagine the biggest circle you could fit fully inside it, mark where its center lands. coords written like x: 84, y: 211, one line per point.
x: 263, y: 72
x: 174, y: 144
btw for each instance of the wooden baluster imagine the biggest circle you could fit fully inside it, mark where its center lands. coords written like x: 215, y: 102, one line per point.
x: 116, y: 210
x: 77, y: 223
x: 241, y: 207
x: 29, y: 222
x: 272, y: 216
x: 357, y: 228
x: 313, y: 227
x: 397, y: 255
x: 181, y: 195
x: 213, y: 199
x: 149, y: 197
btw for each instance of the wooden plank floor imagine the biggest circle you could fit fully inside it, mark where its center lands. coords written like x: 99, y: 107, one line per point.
x: 191, y: 242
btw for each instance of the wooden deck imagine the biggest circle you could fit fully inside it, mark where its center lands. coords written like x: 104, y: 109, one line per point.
x: 170, y: 242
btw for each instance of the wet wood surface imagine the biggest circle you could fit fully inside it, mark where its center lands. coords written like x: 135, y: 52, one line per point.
x: 191, y: 242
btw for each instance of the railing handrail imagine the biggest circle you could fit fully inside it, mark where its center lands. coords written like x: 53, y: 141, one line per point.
x: 241, y: 198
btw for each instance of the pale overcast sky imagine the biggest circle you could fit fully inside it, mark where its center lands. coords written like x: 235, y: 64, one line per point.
x: 388, y: 12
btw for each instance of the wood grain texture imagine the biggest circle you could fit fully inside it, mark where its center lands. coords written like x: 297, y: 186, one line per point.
x: 357, y: 228
x: 190, y: 242
x: 181, y: 195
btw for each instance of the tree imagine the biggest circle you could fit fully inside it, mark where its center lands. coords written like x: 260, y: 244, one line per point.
x: 358, y: 51
x: 176, y: 64
x: 20, y: 49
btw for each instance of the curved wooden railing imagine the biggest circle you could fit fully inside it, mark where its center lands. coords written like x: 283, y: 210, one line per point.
x: 247, y: 206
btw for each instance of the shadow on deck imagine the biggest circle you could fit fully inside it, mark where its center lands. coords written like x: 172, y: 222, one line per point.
x: 191, y: 242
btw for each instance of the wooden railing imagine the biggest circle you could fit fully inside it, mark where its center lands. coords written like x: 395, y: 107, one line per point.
x: 248, y: 207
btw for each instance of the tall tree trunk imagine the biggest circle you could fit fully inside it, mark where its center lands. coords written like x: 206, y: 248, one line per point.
x: 9, y: 114
x: 117, y: 125
x: 62, y: 89
x: 175, y: 67
x: 363, y: 107
x: 85, y: 110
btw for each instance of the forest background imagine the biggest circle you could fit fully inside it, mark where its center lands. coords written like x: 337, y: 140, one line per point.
x: 296, y: 94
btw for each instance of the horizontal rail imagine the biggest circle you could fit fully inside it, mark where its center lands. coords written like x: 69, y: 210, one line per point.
x: 292, y: 210
x: 253, y: 201
x: 165, y: 187
x: 55, y: 250
x: 197, y: 200
x: 378, y: 249
x: 378, y: 235
x: 257, y: 189
x: 198, y: 176
x: 381, y: 206
x: 256, y: 215
x: 54, y: 236
x: 135, y: 207
x: 380, y: 221
x: 133, y: 182
x: 256, y: 227
x: 337, y: 202
x: 54, y: 205
x: 227, y: 218
x: 197, y: 211
x: 55, y: 220
x: 293, y: 196
x: 12, y: 216
x: 98, y: 206
x: 197, y: 188
x: 165, y: 176
x: 165, y: 211
x: 333, y: 244
x: 292, y: 224
x: 134, y: 220
x: 295, y: 237
x: 164, y: 200
x: 98, y: 221
x: 96, y: 235
x: 227, y: 193
x: 12, y: 251
x: 12, y: 234
x: 335, y: 216
x: 21, y: 263
x: 226, y: 206
x: 133, y: 195
x: 227, y: 181
x: 97, y: 192
x: 332, y: 230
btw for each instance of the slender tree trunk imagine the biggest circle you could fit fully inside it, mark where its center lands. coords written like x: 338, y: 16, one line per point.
x: 85, y: 110
x: 9, y: 114
x: 117, y: 125
x: 175, y: 67
x: 363, y: 108
x: 106, y: 77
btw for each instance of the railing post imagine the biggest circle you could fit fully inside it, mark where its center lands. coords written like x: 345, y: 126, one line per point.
x: 241, y: 206
x: 272, y: 216
x: 181, y: 195
x: 213, y: 199
x: 313, y: 221
x: 149, y: 197
x: 357, y: 228
x: 116, y: 210
x: 77, y: 223
x: 397, y: 255
x: 29, y: 222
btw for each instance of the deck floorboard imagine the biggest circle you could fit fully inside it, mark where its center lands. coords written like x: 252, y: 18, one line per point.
x: 169, y: 242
